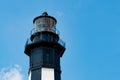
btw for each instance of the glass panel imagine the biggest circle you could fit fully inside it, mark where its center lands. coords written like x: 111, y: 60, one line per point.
x: 44, y: 24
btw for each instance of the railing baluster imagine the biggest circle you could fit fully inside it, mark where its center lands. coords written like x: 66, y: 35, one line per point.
x: 41, y: 37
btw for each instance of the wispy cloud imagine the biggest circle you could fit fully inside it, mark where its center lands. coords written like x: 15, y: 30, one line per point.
x: 13, y: 73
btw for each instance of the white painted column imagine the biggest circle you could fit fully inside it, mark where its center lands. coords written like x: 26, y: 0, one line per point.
x: 47, y: 74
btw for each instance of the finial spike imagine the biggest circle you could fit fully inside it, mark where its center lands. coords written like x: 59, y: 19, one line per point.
x: 45, y: 14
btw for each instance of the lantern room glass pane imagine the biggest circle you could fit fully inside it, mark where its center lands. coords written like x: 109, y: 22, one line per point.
x: 44, y: 24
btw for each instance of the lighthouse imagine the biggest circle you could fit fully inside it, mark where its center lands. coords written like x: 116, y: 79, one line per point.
x: 44, y: 48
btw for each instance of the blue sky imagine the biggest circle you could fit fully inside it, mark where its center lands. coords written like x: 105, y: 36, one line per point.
x: 90, y: 28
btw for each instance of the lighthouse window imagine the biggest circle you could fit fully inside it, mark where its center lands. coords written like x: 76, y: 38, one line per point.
x: 47, y: 21
x: 52, y: 23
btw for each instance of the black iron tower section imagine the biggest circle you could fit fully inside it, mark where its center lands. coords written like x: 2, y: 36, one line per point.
x: 44, y: 48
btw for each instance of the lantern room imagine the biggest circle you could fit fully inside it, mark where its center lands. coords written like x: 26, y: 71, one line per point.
x: 44, y: 23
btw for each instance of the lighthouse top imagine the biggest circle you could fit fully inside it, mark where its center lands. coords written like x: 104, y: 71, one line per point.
x: 44, y: 14
x: 44, y: 22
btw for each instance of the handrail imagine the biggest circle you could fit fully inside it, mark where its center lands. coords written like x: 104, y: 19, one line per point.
x: 62, y: 43
x: 46, y: 29
x: 32, y: 31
